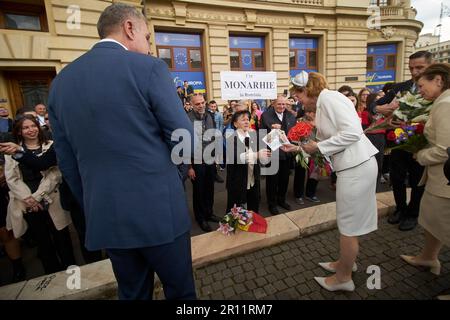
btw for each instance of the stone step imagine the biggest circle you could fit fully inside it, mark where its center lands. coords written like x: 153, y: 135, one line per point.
x: 98, y: 281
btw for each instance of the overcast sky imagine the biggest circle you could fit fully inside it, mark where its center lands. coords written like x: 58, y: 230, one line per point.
x: 428, y: 12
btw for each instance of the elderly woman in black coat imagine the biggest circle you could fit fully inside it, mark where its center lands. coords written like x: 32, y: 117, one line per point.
x: 243, y: 170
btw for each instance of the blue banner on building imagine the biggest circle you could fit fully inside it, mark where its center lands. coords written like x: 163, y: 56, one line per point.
x: 180, y: 46
x: 379, y: 72
x: 195, y: 79
x: 246, y: 42
x: 302, y: 43
x: 382, y: 49
x: 302, y: 47
x: 177, y: 39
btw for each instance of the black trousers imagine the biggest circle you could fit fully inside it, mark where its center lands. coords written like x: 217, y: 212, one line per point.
x: 134, y: 270
x: 299, y: 183
x: 253, y: 198
x: 379, y: 141
x: 79, y: 223
x: 54, y: 247
x: 277, y: 184
x: 203, y: 191
x: 403, y: 164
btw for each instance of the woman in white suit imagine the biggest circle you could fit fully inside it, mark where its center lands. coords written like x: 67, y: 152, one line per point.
x: 352, y: 157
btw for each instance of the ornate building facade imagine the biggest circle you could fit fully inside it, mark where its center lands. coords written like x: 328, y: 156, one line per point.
x: 344, y: 39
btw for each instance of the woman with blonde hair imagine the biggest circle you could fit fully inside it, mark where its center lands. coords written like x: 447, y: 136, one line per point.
x: 434, y: 214
x: 352, y: 156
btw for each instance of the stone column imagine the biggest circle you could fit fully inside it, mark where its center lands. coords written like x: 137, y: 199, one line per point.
x: 351, y: 53
x: 280, y: 47
x: 219, y: 57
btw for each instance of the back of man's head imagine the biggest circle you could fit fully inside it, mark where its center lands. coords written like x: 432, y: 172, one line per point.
x: 114, y: 16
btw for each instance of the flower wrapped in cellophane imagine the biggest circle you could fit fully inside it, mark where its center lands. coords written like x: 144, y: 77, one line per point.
x: 413, y: 108
x: 408, y: 137
x: 316, y: 164
x: 243, y: 219
x: 300, y: 134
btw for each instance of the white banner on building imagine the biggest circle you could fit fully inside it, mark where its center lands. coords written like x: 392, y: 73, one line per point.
x: 238, y: 85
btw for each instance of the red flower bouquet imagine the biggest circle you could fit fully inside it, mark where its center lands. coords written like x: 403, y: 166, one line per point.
x: 301, y: 131
x: 316, y: 164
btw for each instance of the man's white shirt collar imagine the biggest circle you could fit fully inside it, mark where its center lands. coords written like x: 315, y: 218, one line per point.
x: 41, y: 120
x: 112, y: 40
x: 242, y: 135
x: 280, y: 116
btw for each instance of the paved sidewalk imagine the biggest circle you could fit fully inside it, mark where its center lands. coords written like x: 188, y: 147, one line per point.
x: 286, y: 271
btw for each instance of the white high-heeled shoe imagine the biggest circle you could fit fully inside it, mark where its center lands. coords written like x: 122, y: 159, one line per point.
x: 344, y: 286
x: 434, y: 265
x: 327, y: 266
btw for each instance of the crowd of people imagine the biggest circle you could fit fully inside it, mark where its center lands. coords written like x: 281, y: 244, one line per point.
x: 34, y: 197
x: 127, y: 197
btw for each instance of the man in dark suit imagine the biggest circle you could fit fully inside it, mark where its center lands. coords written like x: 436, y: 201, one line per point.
x: 113, y: 111
x: 276, y: 185
x: 202, y: 172
x: 402, y: 163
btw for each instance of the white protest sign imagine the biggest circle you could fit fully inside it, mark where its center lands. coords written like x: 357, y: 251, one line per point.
x: 236, y: 85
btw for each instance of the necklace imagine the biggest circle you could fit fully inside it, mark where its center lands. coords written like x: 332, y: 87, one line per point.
x: 32, y: 146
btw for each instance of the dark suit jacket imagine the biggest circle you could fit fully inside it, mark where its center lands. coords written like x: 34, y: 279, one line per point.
x: 390, y: 95
x: 113, y: 112
x: 270, y: 117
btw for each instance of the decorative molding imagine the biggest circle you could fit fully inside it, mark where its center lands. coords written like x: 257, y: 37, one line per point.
x: 309, y: 22
x: 251, y: 18
x: 388, y: 32
x: 214, y: 16
x: 351, y: 23
x: 403, y: 33
x: 180, y: 9
x: 161, y: 12
x: 309, y: 2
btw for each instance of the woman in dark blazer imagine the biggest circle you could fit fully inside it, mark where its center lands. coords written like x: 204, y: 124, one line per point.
x: 243, y: 171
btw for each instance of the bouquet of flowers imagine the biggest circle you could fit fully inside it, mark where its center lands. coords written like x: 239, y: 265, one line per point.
x: 412, y: 108
x: 243, y: 219
x: 301, y: 134
x: 319, y: 167
x: 316, y: 164
x: 409, y: 138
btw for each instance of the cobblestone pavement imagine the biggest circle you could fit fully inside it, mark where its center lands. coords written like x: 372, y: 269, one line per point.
x: 286, y: 271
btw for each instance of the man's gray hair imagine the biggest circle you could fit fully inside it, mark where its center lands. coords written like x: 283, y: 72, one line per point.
x: 114, y: 15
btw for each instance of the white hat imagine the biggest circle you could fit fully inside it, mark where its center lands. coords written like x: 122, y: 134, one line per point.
x: 300, y: 80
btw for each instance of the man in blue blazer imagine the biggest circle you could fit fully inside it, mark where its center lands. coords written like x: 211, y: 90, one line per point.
x: 113, y: 111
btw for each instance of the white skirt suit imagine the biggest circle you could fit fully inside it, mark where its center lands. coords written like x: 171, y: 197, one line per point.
x: 352, y: 157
